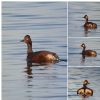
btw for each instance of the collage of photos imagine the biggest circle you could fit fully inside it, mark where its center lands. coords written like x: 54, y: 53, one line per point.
x: 50, y: 50
x: 83, y: 50
x: 34, y: 50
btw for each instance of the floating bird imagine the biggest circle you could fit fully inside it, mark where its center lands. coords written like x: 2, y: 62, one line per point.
x: 89, y: 25
x: 85, y: 92
x: 40, y: 57
x: 89, y: 53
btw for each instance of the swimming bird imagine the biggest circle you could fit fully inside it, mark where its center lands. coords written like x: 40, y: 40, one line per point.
x: 89, y: 53
x: 85, y: 91
x: 89, y: 25
x: 40, y: 57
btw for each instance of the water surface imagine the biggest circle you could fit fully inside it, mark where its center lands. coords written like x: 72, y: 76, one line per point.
x: 77, y: 10
x: 74, y: 52
x: 45, y: 22
x: 76, y: 77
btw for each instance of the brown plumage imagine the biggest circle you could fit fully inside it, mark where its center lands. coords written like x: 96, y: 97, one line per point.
x: 41, y: 57
x: 85, y: 91
x: 89, y: 53
x: 89, y: 25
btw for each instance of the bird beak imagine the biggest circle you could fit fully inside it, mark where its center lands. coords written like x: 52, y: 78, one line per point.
x: 22, y: 41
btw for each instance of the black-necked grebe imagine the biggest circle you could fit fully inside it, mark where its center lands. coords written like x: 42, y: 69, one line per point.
x: 89, y: 25
x: 41, y: 57
x: 85, y: 91
x: 89, y: 53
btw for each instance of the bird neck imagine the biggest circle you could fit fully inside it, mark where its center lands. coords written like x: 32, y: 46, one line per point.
x: 84, y: 85
x: 86, y: 20
x: 83, y: 50
x: 29, y: 48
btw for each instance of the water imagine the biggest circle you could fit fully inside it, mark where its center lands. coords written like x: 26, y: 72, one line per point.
x: 77, y: 10
x: 77, y: 76
x: 78, y: 35
x: 45, y: 22
x: 74, y: 48
x: 77, y: 69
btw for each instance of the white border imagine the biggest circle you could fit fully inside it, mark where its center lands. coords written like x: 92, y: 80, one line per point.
x: 67, y: 51
x: 52, y: 0
x: 0, y: 53
x: 36, y: 0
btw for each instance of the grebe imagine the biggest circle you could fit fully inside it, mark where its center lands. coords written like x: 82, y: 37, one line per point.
x: 89, y: 53
x: 85, y: 91
x: 89, y: 25
x: 40, y: 57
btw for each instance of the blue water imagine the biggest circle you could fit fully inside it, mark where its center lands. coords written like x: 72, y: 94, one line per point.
x: 80, y: 69
x: 78, y: 35
x: 74, y: 52
x: 46, y: 23
x: 77, y: 10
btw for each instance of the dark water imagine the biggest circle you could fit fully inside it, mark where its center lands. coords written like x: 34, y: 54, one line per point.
x: 74, y: 49
x: 77, y: 10
x: 77, y: 76
x: 46, y: 22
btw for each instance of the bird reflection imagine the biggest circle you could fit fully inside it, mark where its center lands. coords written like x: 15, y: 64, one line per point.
x: 86, y: 32
x: 83, y: 59
x: 84, y: 98
x: 28, y: 70
x: 29, y: 73
x: 30, y: 64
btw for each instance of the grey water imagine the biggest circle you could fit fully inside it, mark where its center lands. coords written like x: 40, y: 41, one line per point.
x: 74, y: 52
x: 78, y: 35
x: 46, y: 23
x: 77, y: 10
x: 76, y: 76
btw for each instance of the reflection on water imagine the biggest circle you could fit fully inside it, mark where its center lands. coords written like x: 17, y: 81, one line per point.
x: 28, y: 70
x: 46, y: 23
x: 76, y: 10
x: 76, y: 78
x: 88, y: 31
x: 75, y: 50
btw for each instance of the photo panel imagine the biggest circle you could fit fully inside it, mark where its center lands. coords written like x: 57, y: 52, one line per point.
x: 77, y: 19
x: 85, y: 78
x: 34, y: 50
x: 40, y: 59
x: 84, y: 52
